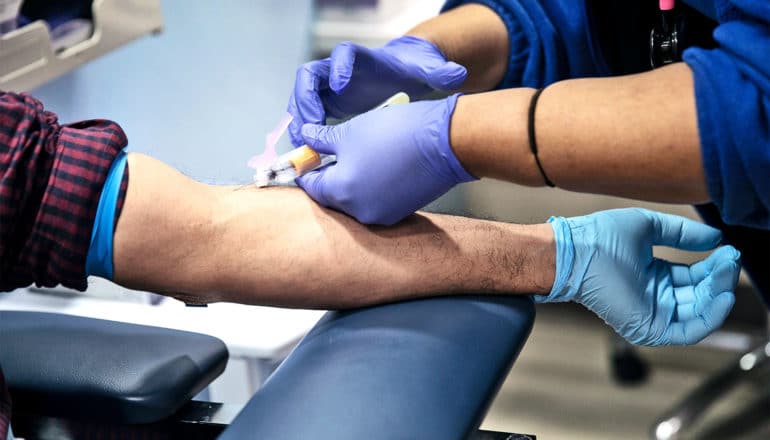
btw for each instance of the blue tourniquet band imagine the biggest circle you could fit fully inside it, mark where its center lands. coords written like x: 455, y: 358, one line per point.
x: 99, y: 259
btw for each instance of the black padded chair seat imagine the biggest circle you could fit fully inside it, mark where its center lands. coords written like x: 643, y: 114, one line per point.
x: 66, y: 366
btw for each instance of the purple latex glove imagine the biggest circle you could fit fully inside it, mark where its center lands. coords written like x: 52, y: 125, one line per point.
x: 356, y: 79
x: 390, y: 162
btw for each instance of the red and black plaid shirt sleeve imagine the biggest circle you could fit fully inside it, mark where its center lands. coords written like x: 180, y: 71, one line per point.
x: 51, y: 177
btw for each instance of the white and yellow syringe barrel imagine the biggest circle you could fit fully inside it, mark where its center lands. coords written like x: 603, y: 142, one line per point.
x: 304, y: 159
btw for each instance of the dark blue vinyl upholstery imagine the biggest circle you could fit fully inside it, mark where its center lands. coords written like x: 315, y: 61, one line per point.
x: 72, y: 367
x: 425, y: 369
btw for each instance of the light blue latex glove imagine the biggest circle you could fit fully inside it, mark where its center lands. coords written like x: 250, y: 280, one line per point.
x: 355, y: 79
x: 390, y: 162
x: 604, y: 261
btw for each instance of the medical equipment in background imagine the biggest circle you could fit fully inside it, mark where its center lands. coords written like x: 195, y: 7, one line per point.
x: 51, y: 40
x: 299, y: 161
x: 282, y: 170
x: 9, y: 14
x: 70, y: 21
x: 665, y: 35
x: 371, y: 23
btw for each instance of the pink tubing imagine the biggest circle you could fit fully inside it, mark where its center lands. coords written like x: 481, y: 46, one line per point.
x: 269, y: 154
x: 666, y: 5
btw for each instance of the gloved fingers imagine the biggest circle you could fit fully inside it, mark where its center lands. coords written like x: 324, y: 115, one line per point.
x: 682, y: 233
x: 305, y: 103
x: 342, y: 61
x: 686, y: 312
x: 701, y: 325
x: 680, y: 275
x: 685, y: 295
x: 718, y: 273
x: 700, y: 270
x: 423, y: 60
x: 314, y: 184
x: 723, y: 279
x: 295, y: 126
x: 683, y: 275
x: 448, y: 76
x: 692, y: 300
x: 322, y: 138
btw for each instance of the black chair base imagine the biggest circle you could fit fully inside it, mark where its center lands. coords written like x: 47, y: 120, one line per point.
x: 196, y: 421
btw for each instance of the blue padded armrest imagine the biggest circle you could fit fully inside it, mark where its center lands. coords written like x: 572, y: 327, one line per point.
x: 72, y: 367
x: 425, y: 369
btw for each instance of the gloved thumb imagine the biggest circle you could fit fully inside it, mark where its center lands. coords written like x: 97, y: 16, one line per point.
x: 449, y: 76
x: 342, y: 60
x: 321, y: 138
x: 314, y: 184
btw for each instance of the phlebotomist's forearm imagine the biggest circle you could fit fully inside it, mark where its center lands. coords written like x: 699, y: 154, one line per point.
x: 631, y: 136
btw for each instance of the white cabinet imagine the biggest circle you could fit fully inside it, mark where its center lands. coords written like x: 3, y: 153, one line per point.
x: 28, y: 57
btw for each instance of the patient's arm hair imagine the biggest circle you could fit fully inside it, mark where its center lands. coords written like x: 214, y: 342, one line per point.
x: 275, y: 246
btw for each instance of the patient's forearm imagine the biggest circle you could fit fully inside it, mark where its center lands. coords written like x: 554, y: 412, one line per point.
x: 275, y: 246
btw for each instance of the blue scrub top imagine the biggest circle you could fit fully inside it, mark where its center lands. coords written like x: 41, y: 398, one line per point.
x: 552, y: 40
x: 705, y: 7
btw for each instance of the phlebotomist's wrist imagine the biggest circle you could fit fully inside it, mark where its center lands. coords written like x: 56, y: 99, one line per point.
x: 488, y: 134
x: 474, y: 36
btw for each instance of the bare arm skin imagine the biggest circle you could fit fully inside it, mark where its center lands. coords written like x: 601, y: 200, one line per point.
x: 633, y: 136
x: 275, y: 246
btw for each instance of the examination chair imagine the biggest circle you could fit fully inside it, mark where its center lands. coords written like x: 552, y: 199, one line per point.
x: 425, y: 369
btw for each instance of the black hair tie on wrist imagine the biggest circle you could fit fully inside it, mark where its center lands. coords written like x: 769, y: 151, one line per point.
x: 532, y: 140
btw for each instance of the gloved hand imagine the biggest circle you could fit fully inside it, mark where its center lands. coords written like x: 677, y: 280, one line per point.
x: 604, y: 261
x: 390, y: 162
x: 355, y: 79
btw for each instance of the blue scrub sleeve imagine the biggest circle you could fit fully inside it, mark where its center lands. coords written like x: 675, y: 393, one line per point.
x: 732, y: 92
x: 705, y: 7
x: 99, y: 259
x: 549, y: 40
